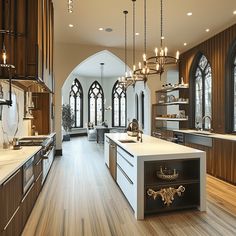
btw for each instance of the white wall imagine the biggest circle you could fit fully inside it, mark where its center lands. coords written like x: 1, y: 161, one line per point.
x: 9, y: 122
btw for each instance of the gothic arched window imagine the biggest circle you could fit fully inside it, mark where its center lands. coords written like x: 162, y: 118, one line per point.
x: 76, y: 102
x: 203, y: 92
x: 95, y: 104
x: 118, y: 105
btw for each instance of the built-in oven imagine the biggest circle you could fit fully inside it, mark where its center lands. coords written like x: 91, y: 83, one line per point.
x: 28, y: 174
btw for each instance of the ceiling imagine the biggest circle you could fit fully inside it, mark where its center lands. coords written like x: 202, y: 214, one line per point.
x: 89, y: 15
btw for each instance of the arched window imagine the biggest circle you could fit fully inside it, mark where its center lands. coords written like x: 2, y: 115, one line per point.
x: 95, y: 104
x: 203, y: 92
x: 142, y: 108
x: 118, y: 106
x: 76, y: 102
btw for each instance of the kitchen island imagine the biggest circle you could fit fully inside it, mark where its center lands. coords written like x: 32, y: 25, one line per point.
x: 135, y: 166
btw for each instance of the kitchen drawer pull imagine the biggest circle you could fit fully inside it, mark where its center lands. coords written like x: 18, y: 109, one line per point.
x: 27, y: 193
x: 39, y: 176
x: 11, y: 178
x: 126, y: 176
x: 126, y: 160
x: 17, y: 209
x: 38, y: 162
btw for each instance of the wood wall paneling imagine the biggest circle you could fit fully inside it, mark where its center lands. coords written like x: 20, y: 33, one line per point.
x: 41, y: 112
x: 216, y: 50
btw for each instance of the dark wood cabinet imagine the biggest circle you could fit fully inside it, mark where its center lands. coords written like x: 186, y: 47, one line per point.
x: 11, y: 193
x: 220, y: 158
x: 112, y: 159
x: 225, y: 160
x: 29, y: 42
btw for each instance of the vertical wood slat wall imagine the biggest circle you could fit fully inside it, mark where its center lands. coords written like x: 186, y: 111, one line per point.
x: 216, y: 49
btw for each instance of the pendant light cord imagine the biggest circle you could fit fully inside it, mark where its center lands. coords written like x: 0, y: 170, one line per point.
x: 145, y: 27
x: 161, y: 22
x: 133, y: 32
x: 125, y: 12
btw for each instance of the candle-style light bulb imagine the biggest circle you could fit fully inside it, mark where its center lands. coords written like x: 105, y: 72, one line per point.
x: 177, y: 55
x: 134, y: 67
x: 161, y: 53
x: 144, y: 57
x: 139, y: 65
x: 4, y: 55
x: 166, y: 50
x: 126, y: 74
x: 157, y: 67
x: 156, y: 51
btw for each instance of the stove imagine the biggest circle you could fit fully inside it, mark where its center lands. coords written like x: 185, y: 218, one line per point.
x: 36, y: 141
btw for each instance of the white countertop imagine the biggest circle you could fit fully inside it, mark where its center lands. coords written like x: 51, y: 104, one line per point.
x: 12, y: 160
x: 150, y: 146
x: 211, y: 135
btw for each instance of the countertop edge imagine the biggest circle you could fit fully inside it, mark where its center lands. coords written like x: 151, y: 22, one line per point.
x: 19, y: 165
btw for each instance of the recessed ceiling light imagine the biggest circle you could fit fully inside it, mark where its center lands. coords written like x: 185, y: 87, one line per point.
x: 234, y: 12
x: 162, y: 37
x: 70, y: 25
x: 185, y: 44
x: 189, y: 13
x: 137, y: 34
x: 100, y: 29
x: 207, y: 30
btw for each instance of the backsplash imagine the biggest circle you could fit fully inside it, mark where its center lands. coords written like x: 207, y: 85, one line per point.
x: 12, y: 123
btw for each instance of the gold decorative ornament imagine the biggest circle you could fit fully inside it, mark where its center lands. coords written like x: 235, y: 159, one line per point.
x: 167, y: 194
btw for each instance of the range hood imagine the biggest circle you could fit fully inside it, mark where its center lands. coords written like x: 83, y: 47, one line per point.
x: 31, y: 84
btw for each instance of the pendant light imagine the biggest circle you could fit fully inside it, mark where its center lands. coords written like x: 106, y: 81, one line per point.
x: 4, y: 61
x: 126, y: 81
x: 104, y: 104
x: 161, y: 57
x: 144, y: 70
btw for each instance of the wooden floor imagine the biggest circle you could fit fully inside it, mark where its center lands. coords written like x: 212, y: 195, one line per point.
x: 80, y: 198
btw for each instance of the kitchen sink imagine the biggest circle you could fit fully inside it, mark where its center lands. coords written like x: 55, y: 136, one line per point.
x: 201, y: 133
x: 127, y: 141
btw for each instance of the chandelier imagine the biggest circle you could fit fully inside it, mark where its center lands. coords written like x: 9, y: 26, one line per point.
x: 161, y: 57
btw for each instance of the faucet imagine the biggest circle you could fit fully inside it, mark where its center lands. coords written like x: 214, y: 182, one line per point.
x: 140, y: 136
x: 203, y: 122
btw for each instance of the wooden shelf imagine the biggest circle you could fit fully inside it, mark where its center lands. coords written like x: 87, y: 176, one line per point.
x: 171, y: 119
x: 172, y: 103
x: 170, y: 89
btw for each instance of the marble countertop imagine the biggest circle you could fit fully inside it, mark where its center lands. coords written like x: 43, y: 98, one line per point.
x: 12, y: 160
x: 150, y: 146
x: 208, y: 134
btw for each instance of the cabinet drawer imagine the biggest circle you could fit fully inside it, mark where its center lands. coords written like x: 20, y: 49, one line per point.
x: 10, y: 197
x: 126, y: 155
x: 126, y: 166
x: 14, y: 226
x: 126, y: 185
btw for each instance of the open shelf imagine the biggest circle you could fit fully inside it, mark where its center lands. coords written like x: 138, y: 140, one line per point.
x: 189, y: 178
x: 171, y: 89
x: 171, y: 119
x: 171, y: 103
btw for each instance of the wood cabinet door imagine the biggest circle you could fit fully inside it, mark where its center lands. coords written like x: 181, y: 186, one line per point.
x: 11, y: 192
x: 224, y: 159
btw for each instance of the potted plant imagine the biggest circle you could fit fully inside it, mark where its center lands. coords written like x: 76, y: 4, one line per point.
x: 68, y: 120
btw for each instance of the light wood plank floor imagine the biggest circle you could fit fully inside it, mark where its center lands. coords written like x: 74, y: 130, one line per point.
x: 80, y: 198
